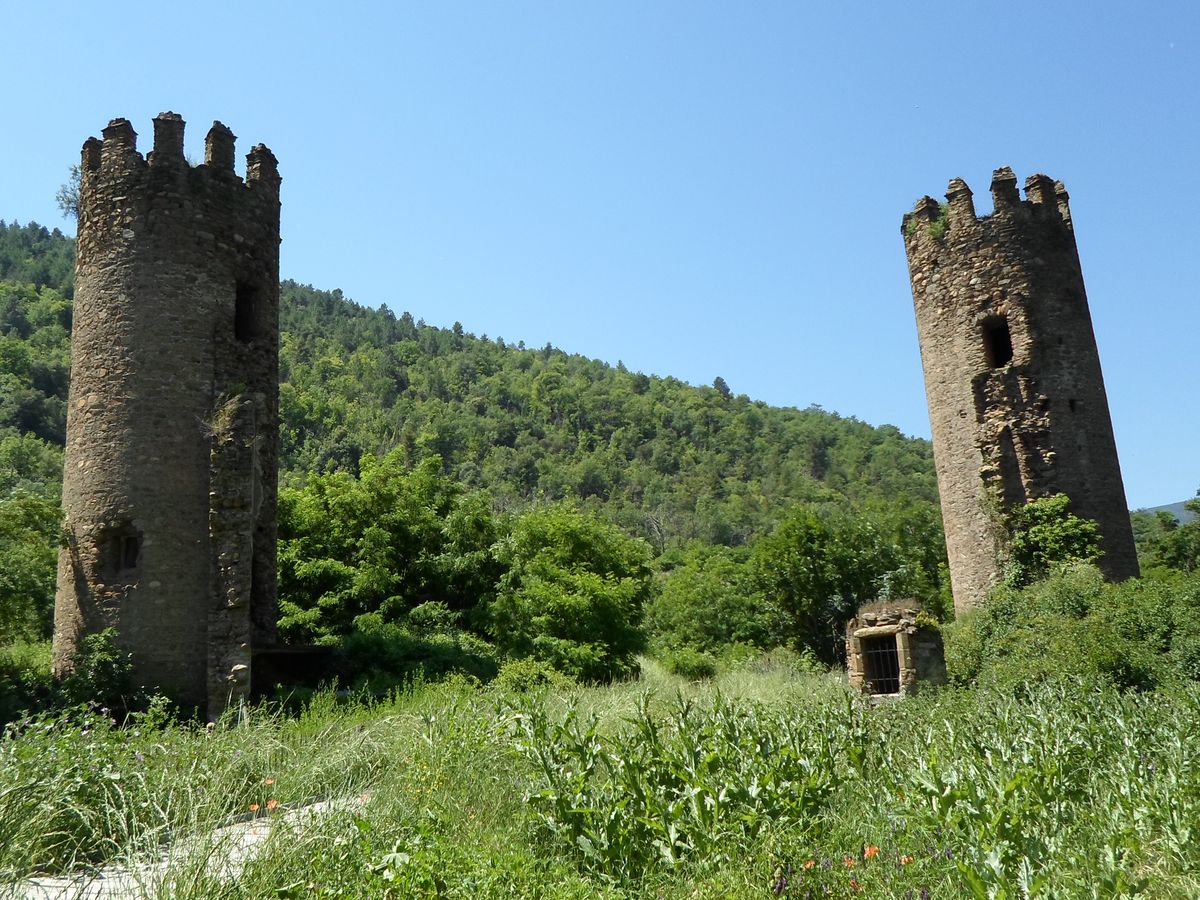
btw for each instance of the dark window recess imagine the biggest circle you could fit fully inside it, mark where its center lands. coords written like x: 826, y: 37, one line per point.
x: 120, y: 551
x: 245, y: 312
x: 881, y: 664
x: 1073, y: 404
x: 128, y: 548
x: 997, y: 342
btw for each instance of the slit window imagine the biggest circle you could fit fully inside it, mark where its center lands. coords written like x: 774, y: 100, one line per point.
x: 245, y: 312
x: 997, y: 342
x: 881, y: 664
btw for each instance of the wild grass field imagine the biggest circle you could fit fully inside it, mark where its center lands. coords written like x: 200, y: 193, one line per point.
x: 761, y: 783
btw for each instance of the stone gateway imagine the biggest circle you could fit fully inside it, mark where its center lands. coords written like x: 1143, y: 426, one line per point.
x: 169, y: 489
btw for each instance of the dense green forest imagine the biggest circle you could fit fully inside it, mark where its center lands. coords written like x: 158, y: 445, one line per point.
x: 453, y: 501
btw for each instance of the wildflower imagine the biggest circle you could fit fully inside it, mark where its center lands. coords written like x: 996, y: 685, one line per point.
x: 271, y: 804
x: 949, y: 853
x: 780, y: 883
x: 849, y: 862
x: 854, y: 885
x: 906, y: 859
x: 808, y: 865
x: 924, y: 893
x: 826, y: 863
x: 253, y: 807
x: 268, y: 781
x: 869, y: 852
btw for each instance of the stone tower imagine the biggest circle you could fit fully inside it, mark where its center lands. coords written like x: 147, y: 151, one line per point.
x: 1012, y: 374
x: 169, y: 489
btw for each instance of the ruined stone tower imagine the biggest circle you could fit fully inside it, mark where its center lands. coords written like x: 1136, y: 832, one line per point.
x: 1012, y: 374
x: 169, y: 488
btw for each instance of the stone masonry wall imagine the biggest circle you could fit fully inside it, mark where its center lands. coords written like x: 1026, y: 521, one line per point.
x: 176, y: 324
x: 1012, y: 374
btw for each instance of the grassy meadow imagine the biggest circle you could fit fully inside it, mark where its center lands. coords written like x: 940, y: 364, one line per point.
x: 763, y: 782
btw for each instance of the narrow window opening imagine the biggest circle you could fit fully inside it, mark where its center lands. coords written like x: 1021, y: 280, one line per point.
x: 997, y: 342
x: 245, y: 312
x: 881, y: 664
x: 120, y: 551
x: 127, y: 550
x: 1073, y: 404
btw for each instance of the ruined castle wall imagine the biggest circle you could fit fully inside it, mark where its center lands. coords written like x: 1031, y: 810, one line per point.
x: 1012, y: 374
x: 176, y: 317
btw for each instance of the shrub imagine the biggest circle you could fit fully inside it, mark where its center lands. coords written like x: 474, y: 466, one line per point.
x: 1140, y: 634
x: 572, y: 595
x: 709, y: 602
x: 689, y: 663
x: 520, y: 676
x: 383, y: 655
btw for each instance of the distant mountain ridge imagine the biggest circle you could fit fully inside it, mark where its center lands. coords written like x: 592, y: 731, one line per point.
x: 1178, y: 510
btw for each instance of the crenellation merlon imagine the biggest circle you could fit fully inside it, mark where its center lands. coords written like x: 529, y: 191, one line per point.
x: 262, y: 169
x: 962, y: 204
x: 119, y: 147
x: 1005, y: 196
x: 168, y: 140
x: 218, y: 148
x: 925, y: 211
x: 1062, y: 198
x: 89, y: 157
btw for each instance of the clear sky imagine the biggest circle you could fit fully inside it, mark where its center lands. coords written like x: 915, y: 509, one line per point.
x: 695, y: 189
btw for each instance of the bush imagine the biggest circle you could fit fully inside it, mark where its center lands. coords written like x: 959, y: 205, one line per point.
x: 521, y: 676
x: 25, y: 682
x: 381, y: 656
x: 708, y: 602
x: 572, y: 595
x: 1140, y: 634
x: 689, y: 663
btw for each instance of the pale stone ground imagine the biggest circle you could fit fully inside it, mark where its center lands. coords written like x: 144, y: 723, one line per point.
x: 228, y: 849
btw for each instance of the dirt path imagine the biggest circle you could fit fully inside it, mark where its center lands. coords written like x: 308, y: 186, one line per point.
x: 228, y: 848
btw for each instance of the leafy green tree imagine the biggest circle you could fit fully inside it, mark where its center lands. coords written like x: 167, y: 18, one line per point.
x: 1178, y: 547
x: 709, y: 602
x: 819, y: 565
x: 383, y: 543
x: 572, y: 593
x: 1045, y: 536
x: 29, y: 530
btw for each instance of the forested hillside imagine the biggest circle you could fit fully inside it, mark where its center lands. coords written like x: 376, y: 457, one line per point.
x: 474, y: 425
x: 666, y: 460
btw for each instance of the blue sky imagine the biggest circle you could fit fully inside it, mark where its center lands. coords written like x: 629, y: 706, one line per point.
x: 695, y: 189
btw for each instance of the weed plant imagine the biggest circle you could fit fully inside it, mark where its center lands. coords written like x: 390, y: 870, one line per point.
x: 757, y: 784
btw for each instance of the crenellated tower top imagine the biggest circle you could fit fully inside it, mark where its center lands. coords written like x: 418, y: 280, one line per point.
x: 117, y: 154
x: 1045, y: 202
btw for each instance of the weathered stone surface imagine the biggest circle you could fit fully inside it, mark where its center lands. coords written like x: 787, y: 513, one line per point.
x: 169, y: 488
x: 1012, y: 373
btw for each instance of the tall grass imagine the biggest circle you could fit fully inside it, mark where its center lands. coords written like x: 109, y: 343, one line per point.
x: 761, y: 784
